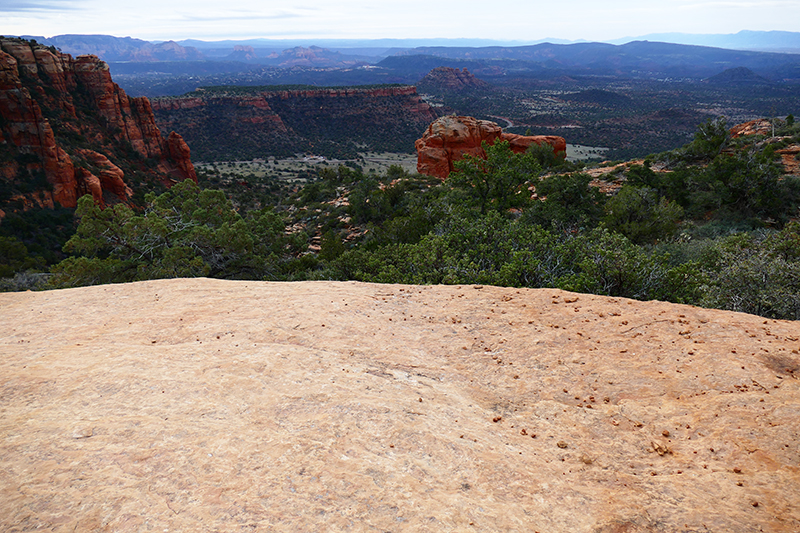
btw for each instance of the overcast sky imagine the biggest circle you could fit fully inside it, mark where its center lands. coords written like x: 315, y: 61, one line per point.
x: 518, y: 20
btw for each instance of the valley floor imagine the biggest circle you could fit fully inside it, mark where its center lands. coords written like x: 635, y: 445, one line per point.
x: 288, y: 169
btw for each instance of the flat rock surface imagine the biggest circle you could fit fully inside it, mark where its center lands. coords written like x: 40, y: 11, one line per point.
x: 207, y: 405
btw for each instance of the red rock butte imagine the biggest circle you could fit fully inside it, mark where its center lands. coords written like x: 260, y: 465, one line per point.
x: 451, y: 138
x: 452, y: 79
x: 210, y: 405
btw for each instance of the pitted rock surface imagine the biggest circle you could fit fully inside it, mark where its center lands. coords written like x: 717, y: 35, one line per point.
x: 208, y: 405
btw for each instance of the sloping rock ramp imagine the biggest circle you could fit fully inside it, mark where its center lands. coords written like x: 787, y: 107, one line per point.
x: 207, y: 405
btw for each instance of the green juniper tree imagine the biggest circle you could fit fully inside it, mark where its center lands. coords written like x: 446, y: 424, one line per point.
x: 184, y: 232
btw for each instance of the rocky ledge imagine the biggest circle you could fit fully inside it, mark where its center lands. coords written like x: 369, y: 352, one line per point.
x: 206, y: 405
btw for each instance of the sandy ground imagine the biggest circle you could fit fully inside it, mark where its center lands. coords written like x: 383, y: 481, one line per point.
x: 207, y: 405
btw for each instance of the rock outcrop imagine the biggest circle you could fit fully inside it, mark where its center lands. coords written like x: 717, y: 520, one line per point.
x: 761, y: 126
x: 210, y: 405
x: 765, y: 127
x: 242, y: 53
x: 790, y: 157
x: 65, y: 118
x: 313, y: 56
x: 451, y: 138
x: 109, y: 178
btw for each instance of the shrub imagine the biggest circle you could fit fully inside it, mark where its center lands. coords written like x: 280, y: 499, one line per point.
x: 497, y: 182
x: 184, y: 232
x: 566, y: 201
x: 757, y: 274
x: 641, y: 215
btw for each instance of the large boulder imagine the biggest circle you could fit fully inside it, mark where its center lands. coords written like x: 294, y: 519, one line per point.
x: 451, y: 138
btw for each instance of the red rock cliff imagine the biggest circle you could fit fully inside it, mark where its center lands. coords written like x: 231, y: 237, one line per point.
x: 252, y: 123
x: 67, y: 119
x: 451, y: 138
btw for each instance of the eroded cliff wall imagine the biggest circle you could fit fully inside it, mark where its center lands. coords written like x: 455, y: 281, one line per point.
x: 66, y: 129
x: 245, y: 123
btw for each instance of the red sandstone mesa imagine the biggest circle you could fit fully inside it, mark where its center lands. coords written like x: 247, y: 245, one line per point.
x: 452, y: 79
x: 451, y: 138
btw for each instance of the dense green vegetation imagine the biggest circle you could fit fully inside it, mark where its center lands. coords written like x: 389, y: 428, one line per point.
x: 711, y: 224
x: 184, y: 232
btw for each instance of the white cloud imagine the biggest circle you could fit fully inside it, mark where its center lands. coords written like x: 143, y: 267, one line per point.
x: 509, y: 20
x: 17, y: 6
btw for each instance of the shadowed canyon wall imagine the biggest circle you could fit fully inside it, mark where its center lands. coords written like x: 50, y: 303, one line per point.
x: 246, y: 123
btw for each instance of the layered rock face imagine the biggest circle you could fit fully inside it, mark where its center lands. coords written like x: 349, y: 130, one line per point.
x: 451, y: 138
x: 248, y: 124
x: 255, y: 109
x: 65, y: 118
x: 790, y: 157
x: 211, y: 405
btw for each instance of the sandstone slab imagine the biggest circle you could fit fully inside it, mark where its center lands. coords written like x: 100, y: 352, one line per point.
x: 208, y: 405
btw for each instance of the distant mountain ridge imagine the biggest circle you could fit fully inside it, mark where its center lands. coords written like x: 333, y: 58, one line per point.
x: 173, y: 68
x: 764, y: 41
x: 111, y: 48
x: 638, y: 59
